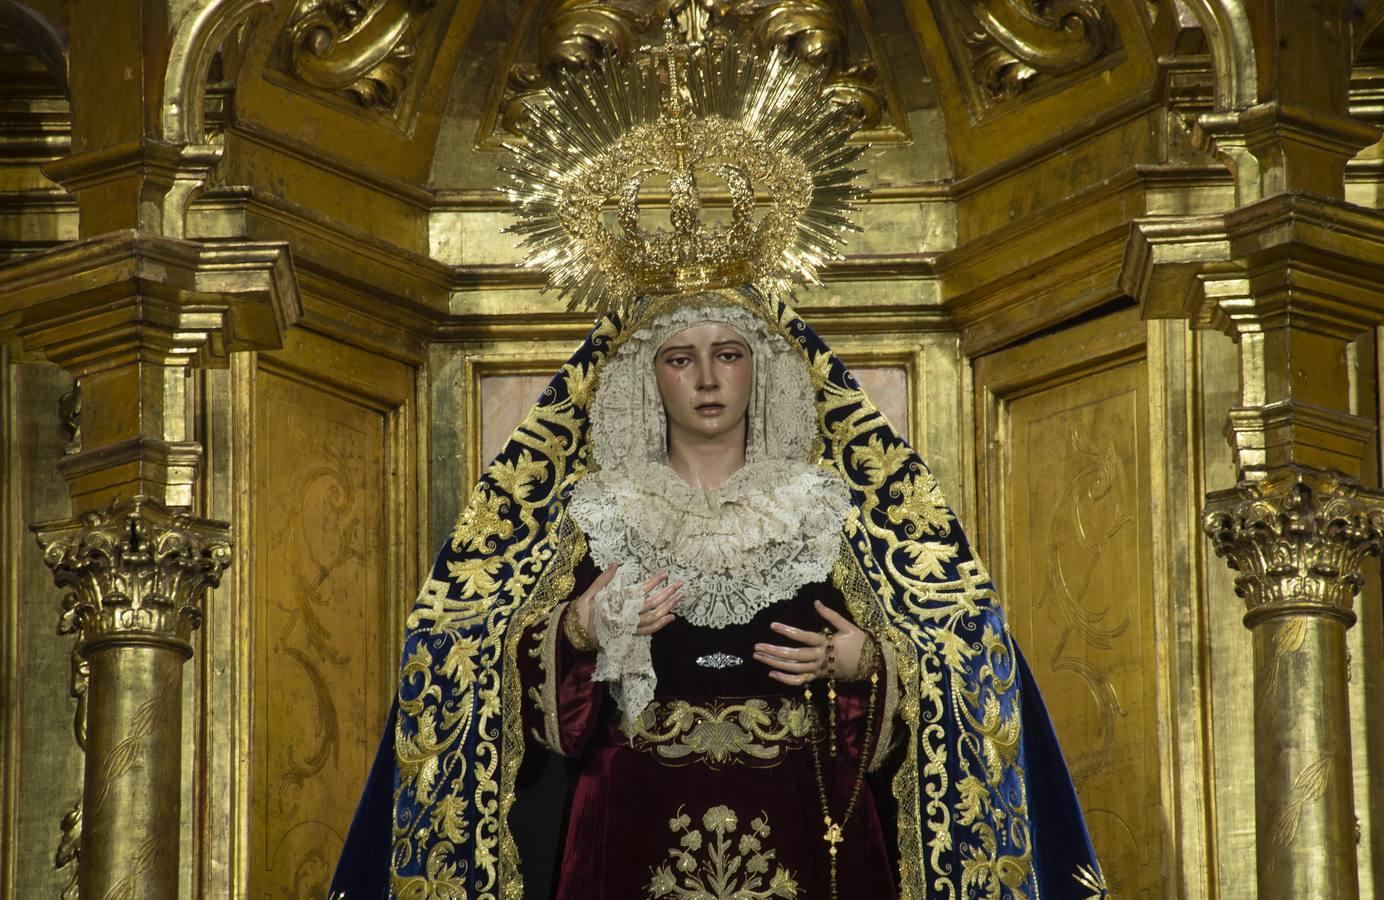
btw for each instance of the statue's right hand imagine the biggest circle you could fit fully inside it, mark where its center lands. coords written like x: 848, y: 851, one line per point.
x: 654, y: 614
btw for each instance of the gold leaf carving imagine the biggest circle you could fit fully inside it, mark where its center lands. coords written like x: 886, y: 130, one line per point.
x: 1299, y: 542
x: 130, y: 749
x: 1007, y: 48
x: 135, y: 567
x: 1309, y: 786
x: 365, y: 50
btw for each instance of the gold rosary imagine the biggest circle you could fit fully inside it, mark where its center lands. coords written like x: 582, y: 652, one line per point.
x: 834, y: 834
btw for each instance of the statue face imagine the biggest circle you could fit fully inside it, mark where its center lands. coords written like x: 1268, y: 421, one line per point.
x: 704, y: 376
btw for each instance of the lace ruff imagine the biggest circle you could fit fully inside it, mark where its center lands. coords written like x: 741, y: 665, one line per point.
x: 772, y: 528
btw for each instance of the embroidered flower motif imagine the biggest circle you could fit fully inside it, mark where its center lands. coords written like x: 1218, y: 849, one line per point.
x: 732, y: 870
x: 720, y: 819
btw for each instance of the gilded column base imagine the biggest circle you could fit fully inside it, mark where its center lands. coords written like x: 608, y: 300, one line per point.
x: 1299, y: 540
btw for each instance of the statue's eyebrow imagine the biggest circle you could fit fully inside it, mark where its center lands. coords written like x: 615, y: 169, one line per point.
x: 728, y: 342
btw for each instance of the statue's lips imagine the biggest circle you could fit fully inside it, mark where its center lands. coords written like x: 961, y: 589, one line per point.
x: 710, y: 409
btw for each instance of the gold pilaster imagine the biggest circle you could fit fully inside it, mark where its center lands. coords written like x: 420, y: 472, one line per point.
x: 134, y: 574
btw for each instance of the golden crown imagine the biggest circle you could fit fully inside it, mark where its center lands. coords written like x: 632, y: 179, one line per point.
x: 681, y: 114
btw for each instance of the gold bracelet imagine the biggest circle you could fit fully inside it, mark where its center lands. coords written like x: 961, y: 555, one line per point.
x: 577, y: 635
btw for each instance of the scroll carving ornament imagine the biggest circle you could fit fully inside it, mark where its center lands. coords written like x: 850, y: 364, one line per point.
x: 1298, y: 542
x: 135, y: 570
x: 1013, y: 44
x: 363, y: 49
x: 575, y: 35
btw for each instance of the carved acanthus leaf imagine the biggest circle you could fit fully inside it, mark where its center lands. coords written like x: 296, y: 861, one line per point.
x: 362, y: 49
x: 134, y: 570
x: 1299, y: 541
x: 1012, y: 46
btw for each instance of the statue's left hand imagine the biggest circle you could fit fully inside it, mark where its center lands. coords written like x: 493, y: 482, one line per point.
x: 807, y: 661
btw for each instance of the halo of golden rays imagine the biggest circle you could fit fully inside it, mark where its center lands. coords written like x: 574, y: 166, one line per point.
x: 682, y: 114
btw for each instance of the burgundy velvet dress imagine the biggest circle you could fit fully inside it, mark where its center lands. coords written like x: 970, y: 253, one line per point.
x: 716, y: 795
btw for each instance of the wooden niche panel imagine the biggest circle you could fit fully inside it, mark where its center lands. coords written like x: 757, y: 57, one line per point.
x: 1069, y: 507
x: 329, y: 471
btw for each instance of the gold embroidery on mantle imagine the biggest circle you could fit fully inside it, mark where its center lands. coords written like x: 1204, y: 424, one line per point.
x: 716, y: 735
x: 1092, y: 879
x: 732, y: 869
x: 552, y: 593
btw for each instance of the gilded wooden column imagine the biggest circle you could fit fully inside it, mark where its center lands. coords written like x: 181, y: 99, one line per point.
x: 1294, y: 279
x: 1298, y: 542
x: 135, y: 574
x: 130, y: 309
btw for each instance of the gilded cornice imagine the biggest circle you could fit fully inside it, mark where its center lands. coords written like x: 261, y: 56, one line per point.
x: 158, y: 299
x: 1167, y: 257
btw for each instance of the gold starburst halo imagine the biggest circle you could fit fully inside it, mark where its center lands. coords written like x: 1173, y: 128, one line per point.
x: 685, y: 114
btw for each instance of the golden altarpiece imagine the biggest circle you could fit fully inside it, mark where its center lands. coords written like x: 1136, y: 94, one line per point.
x: 1121, y: 282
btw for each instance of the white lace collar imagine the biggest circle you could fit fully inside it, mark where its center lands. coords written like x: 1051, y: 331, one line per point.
x: 772, y: 528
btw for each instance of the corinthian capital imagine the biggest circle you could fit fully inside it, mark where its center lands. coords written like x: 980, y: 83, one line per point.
x: 1299, y: 541
x: 134, y: 572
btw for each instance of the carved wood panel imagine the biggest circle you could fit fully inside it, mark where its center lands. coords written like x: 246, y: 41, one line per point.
x: 1069, y: 520
x: 331, y: 526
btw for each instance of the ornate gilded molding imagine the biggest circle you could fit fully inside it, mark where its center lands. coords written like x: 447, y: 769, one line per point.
x: 1298, y: 541
x: 134, y: 572
x: 202, y: 31
x: 574, y: 35
x: 369, y: 53
x: 1007, y: 49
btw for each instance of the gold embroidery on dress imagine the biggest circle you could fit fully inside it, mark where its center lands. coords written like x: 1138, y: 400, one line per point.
x: 715, y: 735
x: 553, y: 587
x: 544, y: 695
x: 731, y: 868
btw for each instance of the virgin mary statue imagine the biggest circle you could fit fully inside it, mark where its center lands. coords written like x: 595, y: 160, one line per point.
x: 707, y: 571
